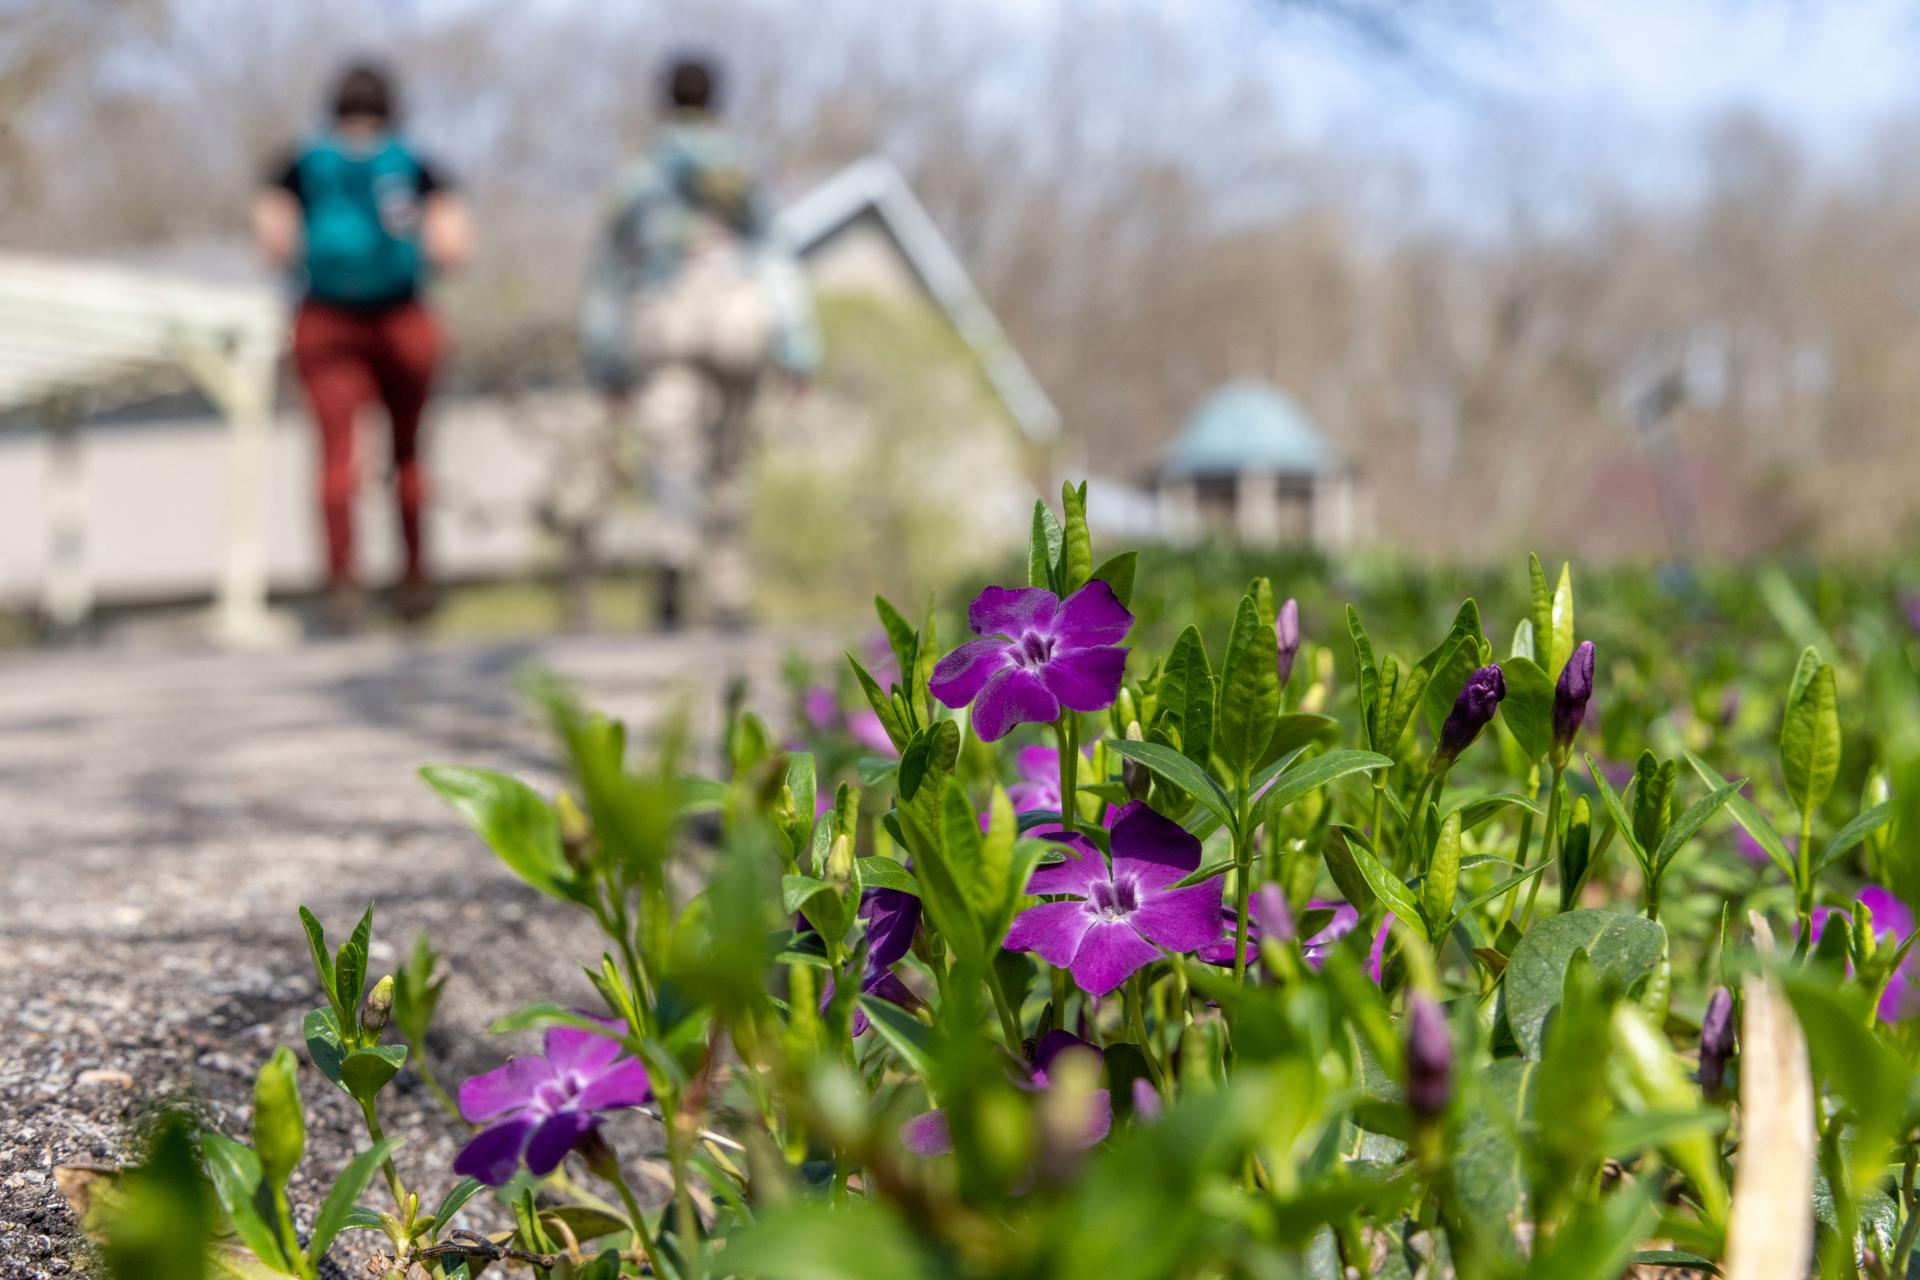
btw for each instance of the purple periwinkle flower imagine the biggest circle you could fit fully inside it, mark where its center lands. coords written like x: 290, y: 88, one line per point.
x: 1472, y: 711
x: 1716, y: 1041
x: 1570, y: 698
x: 1286, y: 636
x: 1268, y: 917
x: 1037, y: 654
x: 1114, y: 920
x: 1892, y: 922
x: 1429, y: 1058
x: 1039, y: 784
x: 892, y: 916
x: 929, y: 1134
x: 542, y: 1106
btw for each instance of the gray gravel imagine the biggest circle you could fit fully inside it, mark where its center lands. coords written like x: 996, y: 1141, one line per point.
x: 163, y: 816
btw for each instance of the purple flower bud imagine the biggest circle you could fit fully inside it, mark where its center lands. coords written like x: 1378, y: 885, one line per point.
x: 1429, y: 1058
x: 1286, y: 635
x: 1570, y: 700
x: 1716, y: 1041
x: 1479, y: 698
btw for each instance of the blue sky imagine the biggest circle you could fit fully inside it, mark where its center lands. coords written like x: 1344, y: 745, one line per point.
x: 1622, y: 87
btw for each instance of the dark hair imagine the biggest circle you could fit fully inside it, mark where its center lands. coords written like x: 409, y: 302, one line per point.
x: 693, y: 84
x: 363, y: 90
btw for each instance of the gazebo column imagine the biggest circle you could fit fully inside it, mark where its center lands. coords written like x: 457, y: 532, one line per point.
x: 1256, y: 507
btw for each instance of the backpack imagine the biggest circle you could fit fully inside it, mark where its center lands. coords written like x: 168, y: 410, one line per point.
x: 362, y: 221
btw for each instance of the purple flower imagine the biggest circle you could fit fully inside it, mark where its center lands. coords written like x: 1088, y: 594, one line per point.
x: 1039, y: 784
x: 1038, y: 654
x: 892, y: 916
x: 1116, y: 920
x: 1377, y: 953
x: 1479, y: 698
x: 542, y: 1106
x: 1570, y: 698
x: 821, y: 707
x: 1268, y: 916
x: 1892, y: 922
x: 930, y: 1135
x: 1753, y: 851
x: 1286, y: 635
x: 1429, y: 1058
x: 1716, y: 1041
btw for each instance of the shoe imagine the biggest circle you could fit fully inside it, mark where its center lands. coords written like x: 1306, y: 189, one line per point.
x: 344, y: 610
x: 415, y: 599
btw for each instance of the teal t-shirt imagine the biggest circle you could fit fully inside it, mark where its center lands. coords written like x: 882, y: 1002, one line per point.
x: 362, y: 205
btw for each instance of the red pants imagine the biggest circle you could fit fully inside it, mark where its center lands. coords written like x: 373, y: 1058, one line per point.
x: 346, y: 358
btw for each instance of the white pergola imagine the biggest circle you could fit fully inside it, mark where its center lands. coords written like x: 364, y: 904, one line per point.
x: 75, y: 336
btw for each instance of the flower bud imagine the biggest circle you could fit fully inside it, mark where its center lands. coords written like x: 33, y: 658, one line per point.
x: 576, y: 832
x: 840, y: 864
x: 1716, y: 1041
x: 1429, y: 1058
x: 1286, y: 635
x: 378, y: 1006
x: 1133, y: 774
x: 1472, y: 711
x: 1570, y: 697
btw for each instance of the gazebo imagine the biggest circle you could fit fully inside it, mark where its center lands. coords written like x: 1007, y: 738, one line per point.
x: 79, y: 336
x: 1250, y: 466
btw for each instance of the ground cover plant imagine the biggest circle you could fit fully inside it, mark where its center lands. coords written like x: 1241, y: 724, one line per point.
x: 1265, y: 951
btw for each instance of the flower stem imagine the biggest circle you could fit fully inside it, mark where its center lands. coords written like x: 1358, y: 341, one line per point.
x: 1548, y: 848
x: 1242, y: 883
x: 610, y: 1170
x: 1009, y: 1021
x: 1805, y: 859
x: 386, y: 1166
x: 1137, y: 1019
x: 1067, y: 730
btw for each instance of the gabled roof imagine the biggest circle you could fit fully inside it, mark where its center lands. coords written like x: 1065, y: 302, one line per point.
x: 874, y: 186
x: 1249, y: 425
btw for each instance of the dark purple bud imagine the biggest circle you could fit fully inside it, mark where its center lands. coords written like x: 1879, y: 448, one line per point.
x: 1716, y: 1041
x: 1286, y: 635
x: 1570, y: 700
x: 1472, y: 710
x: 1429, y: 1058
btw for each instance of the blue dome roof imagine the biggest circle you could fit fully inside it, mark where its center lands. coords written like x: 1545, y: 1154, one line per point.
x: 1249, y: 425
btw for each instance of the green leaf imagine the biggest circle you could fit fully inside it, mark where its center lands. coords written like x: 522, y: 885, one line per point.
x: 1528, y: 707
x: 317, y: 943
x: 981, y: 885
x: 1689, y: 823
x: 901, y: 637
x: 1342, y: 864
x: 279, y: 1124
x: 1118, y: 572
x: 243, y: 1192
x: 515, y: 821
x: 914, y: 762
x: 1540, y: 613
x: 1043, y: 549
x: 340, y: 1200
x: 1183, y: 705
x: 324, y: 1044
x: 463, y: 1191
x: 365, y: 1072
x: 1674, y: 1258
x: 548, y: 1014
x: 1489, y: 1169
x: 1388, y: 888
x: 350, y: 973
x: 1367, y: 677
x: 1296, y: 731
x: 1164, y: 762
x: 1853, y: 833
x: 1749, y: 817
x: 998, y: 891
x: 884, y: 873
x: 1810, y: 741
x: 1443, y: 875
x: 1436, y: 681
x: 1481, y: 899
x: 1559, y: 646
x: 908, y: 1036
x: 1623, y: 949
x: 1076, y: 543
x: 1304, y: 779
x: 1249, y: 698
x: 809, y: 1240
x: 1622, y: 823
x: 882, y: 705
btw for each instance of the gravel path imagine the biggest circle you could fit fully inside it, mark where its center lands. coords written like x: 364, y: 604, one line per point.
x: 162, y: 817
